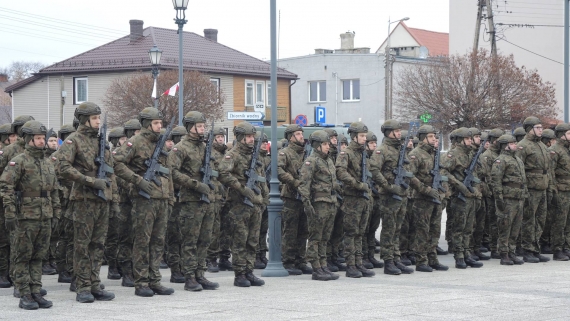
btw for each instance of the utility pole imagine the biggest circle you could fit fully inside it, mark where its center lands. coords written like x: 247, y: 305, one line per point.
x: 566, y: 58
x: 475, y: 47
x: 62, y: 99
x: 491, y: 29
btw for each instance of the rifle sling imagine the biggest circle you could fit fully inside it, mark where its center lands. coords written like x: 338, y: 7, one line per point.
x: 36, y: 194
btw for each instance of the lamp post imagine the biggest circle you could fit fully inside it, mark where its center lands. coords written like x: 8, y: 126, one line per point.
x: 274, y: 267
x: 180, y: 7
x: 388, y: 70
x: 154, y: 54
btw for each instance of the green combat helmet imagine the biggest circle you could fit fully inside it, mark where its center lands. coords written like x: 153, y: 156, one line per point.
x: 494, y: 134
x: 331, y: 132
x: 357, y: 127
x: 343, y: 140
x: 462, y: 133
x: 561, y: 129
x: 131, y: 127
x: 86, y: 109
x: 258, y: 135
x: 75, y: 122
x: 147, y: 115
x: 424, y: 130
x: 65, y: 131
x: 115, y: 135
x: 177, y: 133
x: 505, y: 139
x: 519, y: 133
x: 19, y: 122
x: 530, y: 122
x: 547, y: 135
x: 242, y: 129
x: 485, y: 136
x: 5, y: 132
x: 192, y: 118
x: 404, y: 136
x: 389, y: 126
x: 291, y: 129
x: 371, y: 137
x: 318, y: 137
x: 31, y: 128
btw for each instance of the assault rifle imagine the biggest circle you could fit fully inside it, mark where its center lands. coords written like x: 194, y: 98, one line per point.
x: 153, y: 166
x: 306, y: 153
x: 436, y: 185
x: 206, y: 169
x: 365, y: 174
x: 400, y: 172
x: 103, y: 169
x: 469, y: 178
x: 338, y: 150
x: 251, y: 172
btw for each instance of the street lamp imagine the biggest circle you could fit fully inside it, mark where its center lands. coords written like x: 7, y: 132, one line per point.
x: 388, y: 70
x: 180, y: 7
x: 154, y: 54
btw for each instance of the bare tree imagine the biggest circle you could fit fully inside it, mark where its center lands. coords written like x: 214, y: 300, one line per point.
x: 127, y: 96
x: 20, y: 70
x: 497, y: 93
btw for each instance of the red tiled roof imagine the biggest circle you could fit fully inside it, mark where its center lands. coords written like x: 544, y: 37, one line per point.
x: 200, y: 54
x: 436, y: 42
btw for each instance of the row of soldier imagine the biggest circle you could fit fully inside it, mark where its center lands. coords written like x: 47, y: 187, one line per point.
x: 135, y: 233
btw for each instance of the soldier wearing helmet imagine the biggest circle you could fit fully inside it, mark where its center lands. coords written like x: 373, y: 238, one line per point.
x: 233, y: 169
x: 132, y: 127
x: 48, y: 262
x: 33, y: 177
x: 519, y: 134
x: 369, y: 238
x: 333, y: 135
x: 51, y: 144
x: 508, y: 183
x: 90, y: 213
x: 457, y: 161
x: 150, y: 215
x: 536, y: 159
x: 7, y: 137
x: 548, y: 137
x: 265, y: 159
x: 295, y: 230
x: 487, y: 159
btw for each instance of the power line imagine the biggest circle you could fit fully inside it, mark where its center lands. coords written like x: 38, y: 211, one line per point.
x: 524, y: 2
x: 527, y: 25
x: 532, y: 52
x: 50, y: 33
x: 35, y: 53
x: 45, y: 37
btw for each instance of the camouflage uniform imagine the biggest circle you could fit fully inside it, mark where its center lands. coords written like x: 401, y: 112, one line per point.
x: 262, y: 244
x: 487, y: 159
x: 561, y: 169
x: 407, y: 230
x: 218, y: 152
x: 335, y: 241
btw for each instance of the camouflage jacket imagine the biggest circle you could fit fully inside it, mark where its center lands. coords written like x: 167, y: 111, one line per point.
x: 65, y: 186
x: 186, y: 160
x: 265, y: 159
x: 536, y: 161
x: 11, y: 151
x: 349, y: 168
x: 289, y: 162
x: 333, y: 153
x: 457, y: 161
x: 487, y: 159
x: 318, y: 179
x: 77, y: 162
x: 508, y: 176
x: 421, y: 164
x: 34, y: 176
x: 124, y: 188
x: 383, y: 162
x: 480, y: 172
x: 233, y: 168
x: 560, y: 154
x: 218, y: 154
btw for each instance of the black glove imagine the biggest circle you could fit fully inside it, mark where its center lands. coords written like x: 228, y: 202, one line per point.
x: 144, y: 186
x: 11, y: 224
x: 202, y: 188
x: 309, y: 210
x: 54, y: 223
x: 500, y: 203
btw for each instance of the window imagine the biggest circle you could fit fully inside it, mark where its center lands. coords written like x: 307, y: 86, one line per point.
x: 268, y: 93
x: 317, y: 91
x: 216, y: 82
x: 249, y: 93
x: 79, y: 90
x: 351, y: 90
x: 260, y: 92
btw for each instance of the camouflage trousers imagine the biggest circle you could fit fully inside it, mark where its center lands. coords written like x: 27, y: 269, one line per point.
x: 552, y: 212
x: 149, y: 231
x: 449, y: 220
x: 534, y: 217
x: 393, y: 213
x: 491, y: 234
x: 64, y: 249
x: 31, y: 243
x: 320, y: 228
x: 262, y: 244
x: 335, y: 241
x: 374, y: 217
x: 560, y: 230
x: 478, y: 226
x: 125, y: 246
x: 355, y: 211
x: 53, y: 240
x: 294, y: 232
x: 463, y: 217
x: 407, y: 231
x: 112, y: 242
x: 427, y: 226
x: 245, y: 235
x: 196, y: 221
x: 214, y: 247
x: 4, y: 245
x: 90, y: 223
x: 509, y: 224
x: 174, y: 239
x: 225, y: 239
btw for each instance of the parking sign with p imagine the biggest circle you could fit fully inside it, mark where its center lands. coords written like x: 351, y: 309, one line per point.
x: 320, y: 114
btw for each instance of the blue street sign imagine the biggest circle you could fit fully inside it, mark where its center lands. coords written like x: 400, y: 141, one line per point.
x: 301, y: 120
x: 320, y: 114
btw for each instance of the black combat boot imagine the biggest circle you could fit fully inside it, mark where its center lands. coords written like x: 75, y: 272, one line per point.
x: 334, y: 276
x: 412, y: 258
x: 113, y: 273
x: 16, y: 292
x: 292, y: 269
x: 176, y: 276
x: 73, y: 284
x: 566, y: 252
x: 424, y: 268
x: 28, y: 303
x: 207, y: 284
x: 64, y: 277
x: 42, y: 303
x: 144, y: 291
x: 258, y: 265
x: 390, y: 268
x: 128, y: 279
x: 404, y: 259
x: 331, y: 266
x: 365, y: 272
x: 438, y: 266
x: 160, y: 289
x: 506, y: 260
x: 341, y: 266
x: 495, y: 255
x: 225, y: 265
x: 43, y: 291
x: 320, y: 275
x: 47, y: 269
x: 4, y: 282
x: 541, y: 257
x: 212, y: 266
x: 163, y: 264
x: 102, y: 295
x: 519, y: 251
x: 403, y: 268
x: 263, y: 256
x: 545, y: 249
x: 472, y: 256
x: 485, y: 247
x: 254, y: 280
x: 340, y: 257
x: 367, y: 264
x: 192, y: 284
x: 515, y: 259
x: 440, y: 251
x: 460, y: 263
x: 529, y: 257
x: 560, y: 256
x: 377, y: 264
x: 353, y: 272
x: 472, y: 263
x: 481, y: 256
x: 303, y: 267
x: 84, y: 297
x: 241, y: 281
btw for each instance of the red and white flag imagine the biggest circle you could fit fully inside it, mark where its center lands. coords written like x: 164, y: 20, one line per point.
x: 172, y: 91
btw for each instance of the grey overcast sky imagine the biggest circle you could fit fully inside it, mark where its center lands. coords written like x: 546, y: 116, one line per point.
x: 51, y: 31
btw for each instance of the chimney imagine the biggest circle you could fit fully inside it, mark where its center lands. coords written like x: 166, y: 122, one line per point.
x: 347, y: 40
x: 211, y: 34
x: 136, y: 29
x: 3, y: 78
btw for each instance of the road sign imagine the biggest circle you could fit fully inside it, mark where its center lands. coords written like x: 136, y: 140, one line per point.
x: 245, y: 115
x: 425, y: 117
x: 259, y: 107
x: 320, y: 115
x: 301, y: 120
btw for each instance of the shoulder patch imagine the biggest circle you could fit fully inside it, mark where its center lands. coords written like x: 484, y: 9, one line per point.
x: 1, y: 152
x: 486, y: 157
x: 377, y: 152
x: 129, y: 144
x: 175, y: 149
x: 520, y: 147
x: 12, y: 163
x: 53, y: 158
x: 69, y: 141
x: 413, y: 157
x: 228, y: 157
x: 113, y: 152
x: 342, y: 153
x: 552, y: 152
x: 449, y: 155
x: 283, y: 154
x: 498, y: 161
x: 307, y: 163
